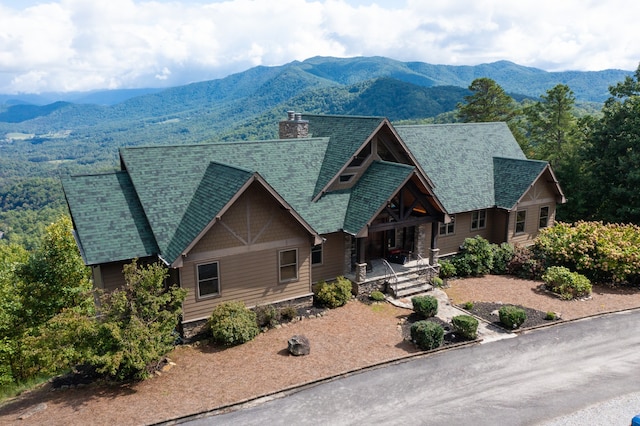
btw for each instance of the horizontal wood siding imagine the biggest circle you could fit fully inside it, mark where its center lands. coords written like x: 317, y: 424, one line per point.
x: 451, y: 243
x: 246, y: 243
x: 332, y: 258
x: 541, y: 194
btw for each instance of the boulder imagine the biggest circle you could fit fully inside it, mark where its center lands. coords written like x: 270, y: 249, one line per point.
x: 299, y: 345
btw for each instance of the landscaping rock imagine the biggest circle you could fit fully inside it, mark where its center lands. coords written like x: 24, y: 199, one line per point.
x: 299, y: 345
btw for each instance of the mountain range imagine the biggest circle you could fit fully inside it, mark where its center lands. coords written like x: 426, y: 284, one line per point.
x: 51, y: 130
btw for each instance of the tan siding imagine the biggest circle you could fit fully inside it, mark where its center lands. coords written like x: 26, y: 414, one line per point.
x: 332, y: 258
x: 539, y: 195
x: 451, y: 243
x: 252, y: 279
x: 246, y: 244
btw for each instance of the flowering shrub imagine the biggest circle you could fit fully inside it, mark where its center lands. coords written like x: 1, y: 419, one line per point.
x: 602, y: 252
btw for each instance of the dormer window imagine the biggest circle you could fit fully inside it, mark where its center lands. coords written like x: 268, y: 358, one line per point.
x: 361, y: 156
x: 346, y: 178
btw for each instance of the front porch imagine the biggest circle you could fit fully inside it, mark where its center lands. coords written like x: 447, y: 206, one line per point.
x: 395, y: 279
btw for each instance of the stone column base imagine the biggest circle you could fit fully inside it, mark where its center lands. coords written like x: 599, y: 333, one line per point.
x: 361, y: 272
x: 433, y: 256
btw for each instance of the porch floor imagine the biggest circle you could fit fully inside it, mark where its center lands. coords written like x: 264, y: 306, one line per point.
x: 378, y: 270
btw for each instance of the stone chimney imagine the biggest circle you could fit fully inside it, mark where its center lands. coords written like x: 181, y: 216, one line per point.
x: 294, y: 126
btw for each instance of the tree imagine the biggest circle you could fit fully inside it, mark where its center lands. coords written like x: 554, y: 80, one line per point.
x: 488, y: 103
x: 137, y: 324
x: 613, y: 155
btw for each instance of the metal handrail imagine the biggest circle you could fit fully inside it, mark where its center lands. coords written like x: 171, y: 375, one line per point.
x: 390, y: 275
x: 424, y: 265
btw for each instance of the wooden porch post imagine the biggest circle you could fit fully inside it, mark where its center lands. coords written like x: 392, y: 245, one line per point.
x: 361, y: 265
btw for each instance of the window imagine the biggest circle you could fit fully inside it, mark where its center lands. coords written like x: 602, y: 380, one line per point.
x: 544, y: 217
x: 521, y: 218
x: 346, y: 178
x: 448, y: 228
x: 316, y: 255
x: 478, y: 219
x: 288, y: 265
x: 208, y: 280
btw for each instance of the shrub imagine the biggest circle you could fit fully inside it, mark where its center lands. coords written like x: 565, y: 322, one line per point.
x: 466, y: 326
x: 476, y: 257
x: 437, y: 282
x: 426, y: 306
x: 333, y: 295
x: 232, y: 323
x: 267, y: 315
x: 427, y: 335
x: 602, y: 252
x: 525, y: 264
x: 447, y: 269
x: 502, y: 256
x: 567, y: 284
x: 468, y: 306
x: 288, y: 313
x: 377, y: 295
x: 512, y: 317
x: 550, y: 316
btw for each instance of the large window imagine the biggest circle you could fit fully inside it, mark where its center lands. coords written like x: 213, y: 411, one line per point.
x: 361, y: 156
x: 448, y: 228
x: 544, y: 217
x: 478, y: 219
x: 208, y: 280
x: 288, y: 265
x: 521, y: 219
x: 316, y: 255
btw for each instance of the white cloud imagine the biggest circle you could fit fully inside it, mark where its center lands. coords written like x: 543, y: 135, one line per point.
x: 64, y: 45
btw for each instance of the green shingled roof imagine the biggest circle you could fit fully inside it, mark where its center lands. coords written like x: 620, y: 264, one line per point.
x: 459, y: 159
x: 513, y: 177
x: 110, y: 223
x: 373, y: 190
x: 346, y: 134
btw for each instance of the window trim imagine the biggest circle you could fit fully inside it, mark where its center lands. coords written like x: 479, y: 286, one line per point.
x: 281, y: 266
x: 547, y: 217
x: 217, y: 277
x: 523, y: 222
x: 446, y: 226
x: 480, y: 220
x: 315, y: 249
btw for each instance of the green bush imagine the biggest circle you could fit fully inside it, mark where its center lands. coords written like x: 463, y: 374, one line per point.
x: 437, y: 282
x: 447, y: 269
x: 475, y: 258
x: 466, y: 326
x: 550, y: 316
x: 468, y: 306
x: 232, y: 323
x: 333, y: 295
x: 426, y: 306
x: 567, y: 284
x: 427, y: 335
x: 512, y: 317
x: 377, y: 296
x: 288, y: 313
x: 267, y: 315
x: 502, y: 256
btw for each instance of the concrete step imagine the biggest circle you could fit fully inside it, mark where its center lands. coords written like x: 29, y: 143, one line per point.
x: 410, y: 290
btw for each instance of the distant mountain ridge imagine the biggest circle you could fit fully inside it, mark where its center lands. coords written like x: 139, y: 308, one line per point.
x: 248, y: 105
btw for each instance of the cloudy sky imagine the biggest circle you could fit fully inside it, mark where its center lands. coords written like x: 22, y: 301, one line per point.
x: 79, y: 45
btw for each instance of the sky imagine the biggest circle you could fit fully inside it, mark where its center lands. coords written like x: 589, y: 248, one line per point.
x: 83, y: 45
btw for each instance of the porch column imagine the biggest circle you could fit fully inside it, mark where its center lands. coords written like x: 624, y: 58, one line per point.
x: 434, y: 250
x: 361, y: 264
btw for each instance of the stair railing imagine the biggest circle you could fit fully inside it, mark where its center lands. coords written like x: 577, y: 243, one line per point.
x: 390, y: 276
x: 424, y: 266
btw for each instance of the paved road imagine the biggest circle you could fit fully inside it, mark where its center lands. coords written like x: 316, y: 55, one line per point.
x: 544, y: 376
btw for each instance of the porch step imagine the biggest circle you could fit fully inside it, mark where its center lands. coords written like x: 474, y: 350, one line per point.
x: 408, y: 285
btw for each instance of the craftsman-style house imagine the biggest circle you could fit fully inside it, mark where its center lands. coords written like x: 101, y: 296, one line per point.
x: 260, y: 221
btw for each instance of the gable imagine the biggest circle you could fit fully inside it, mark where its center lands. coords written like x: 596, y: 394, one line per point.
x: 513, y: 178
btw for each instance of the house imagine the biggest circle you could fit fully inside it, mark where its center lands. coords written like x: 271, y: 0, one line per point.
x: 260, y: 221
x: 485, y: 183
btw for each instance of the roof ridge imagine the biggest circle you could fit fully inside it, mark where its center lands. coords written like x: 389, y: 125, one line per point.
x: 484, y: 123
x: 225, y: 143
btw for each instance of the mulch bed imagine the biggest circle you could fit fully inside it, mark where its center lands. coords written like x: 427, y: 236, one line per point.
x: 450, y: 338
x: 488, y: 311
